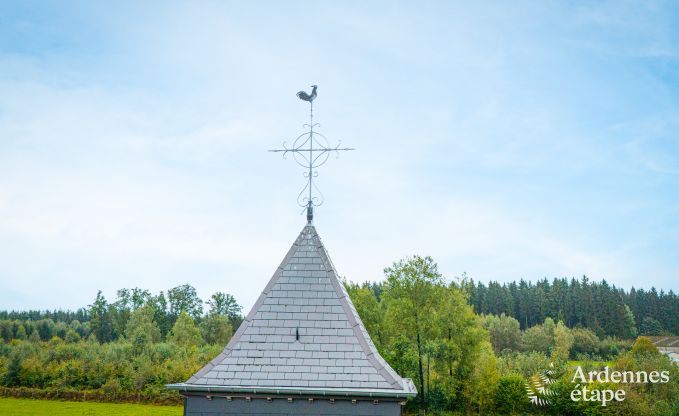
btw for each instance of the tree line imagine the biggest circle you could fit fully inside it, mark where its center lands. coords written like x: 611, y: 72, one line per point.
x: 424, y: 326
x: 599, y: 306
x: 468, y: 362
x: 109, y: 321
x: 127, y: 349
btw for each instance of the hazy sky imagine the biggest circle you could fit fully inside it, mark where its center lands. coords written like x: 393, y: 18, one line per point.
x: 507, y: 140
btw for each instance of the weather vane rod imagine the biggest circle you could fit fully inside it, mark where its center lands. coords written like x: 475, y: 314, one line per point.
x: 310, y: 150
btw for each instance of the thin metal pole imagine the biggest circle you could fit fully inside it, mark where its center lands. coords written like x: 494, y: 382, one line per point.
x: 311, y: 148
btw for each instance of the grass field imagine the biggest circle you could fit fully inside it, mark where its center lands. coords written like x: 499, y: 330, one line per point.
x: 26, y: 407
x: 574, y: 363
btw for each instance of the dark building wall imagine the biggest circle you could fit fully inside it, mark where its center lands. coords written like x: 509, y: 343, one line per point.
x: 220, y: 406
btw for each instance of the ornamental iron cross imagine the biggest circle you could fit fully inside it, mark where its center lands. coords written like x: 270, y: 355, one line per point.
x: 310, y: 150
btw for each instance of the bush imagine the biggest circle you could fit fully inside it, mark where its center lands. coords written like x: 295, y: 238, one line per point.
x: 649, y: 398
x: 111, y: 368
x: 185, y: 333
x: 523, y: 363
x: 644, y: 345
x: 585, y: 342
x: 563, y: 341
x: 505, y: 332
x: 440, y: 397
x: 72, y: 336
x: 611, y: 347
x: 536, y: 338
x: 510, y: 397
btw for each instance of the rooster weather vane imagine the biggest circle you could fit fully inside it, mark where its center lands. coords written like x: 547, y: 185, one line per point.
x: 310, y: 150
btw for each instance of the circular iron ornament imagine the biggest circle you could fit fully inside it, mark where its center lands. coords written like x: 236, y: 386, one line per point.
x: 310, y: 150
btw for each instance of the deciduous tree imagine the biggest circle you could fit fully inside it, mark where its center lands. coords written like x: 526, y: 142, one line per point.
x: 410, y: 293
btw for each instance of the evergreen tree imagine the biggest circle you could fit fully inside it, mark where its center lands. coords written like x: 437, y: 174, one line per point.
x: 651, y: 327
x: 161, y: 315
x: 101, y: 321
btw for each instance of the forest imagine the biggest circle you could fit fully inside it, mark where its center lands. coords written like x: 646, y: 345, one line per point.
x: 601, y: 307
x: 470, y: 348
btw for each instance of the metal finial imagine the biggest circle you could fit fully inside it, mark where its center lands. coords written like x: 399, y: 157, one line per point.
x: 309, y: 212
x: 310, y: 157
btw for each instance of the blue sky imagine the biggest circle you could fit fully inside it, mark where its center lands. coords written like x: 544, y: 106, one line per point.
x: 506, y: 140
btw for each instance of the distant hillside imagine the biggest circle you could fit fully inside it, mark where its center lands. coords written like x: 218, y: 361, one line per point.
x: 599, y: 306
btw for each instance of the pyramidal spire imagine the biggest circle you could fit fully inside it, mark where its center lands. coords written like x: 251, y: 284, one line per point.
x: 302, y: 336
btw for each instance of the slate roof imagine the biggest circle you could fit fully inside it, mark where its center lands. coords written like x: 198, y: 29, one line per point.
x: 303, y: 334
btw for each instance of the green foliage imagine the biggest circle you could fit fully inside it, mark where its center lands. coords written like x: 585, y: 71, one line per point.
x: 585, y: 342
x: 651, y: 327
x: 13, y: 369
x: 6, y: 332
x: 481, y: 387
x: 611, y: 347
x: 649, y: 398
x: 114, y: 367
x: 510, y: 397
x: 224, y: 304
x: 629, y: 326
x: 216, y: 329
x: 563, y: 341
x: 20, y: 332
x: 184, y: 298
x: 425, y: 328
x: 72, y: 336
x: 462, y: 335
x: 644, y: 345
x: 101, y: 319
x: 461, y: 373
x: 401, y: 353
x: 603, y: 308
x: 505, y: 332
x: 141, y: 324
x: 131, y: 299
x: 524, y: 363
x: 549, y: 326
x: 185, y: 333
x: 536, y: 338
x: 370, y: 310
x: 111, y: 348
x: 34, y: 337
x: 411, y: 301
x: 427, y: 331
x: 109, y: 321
